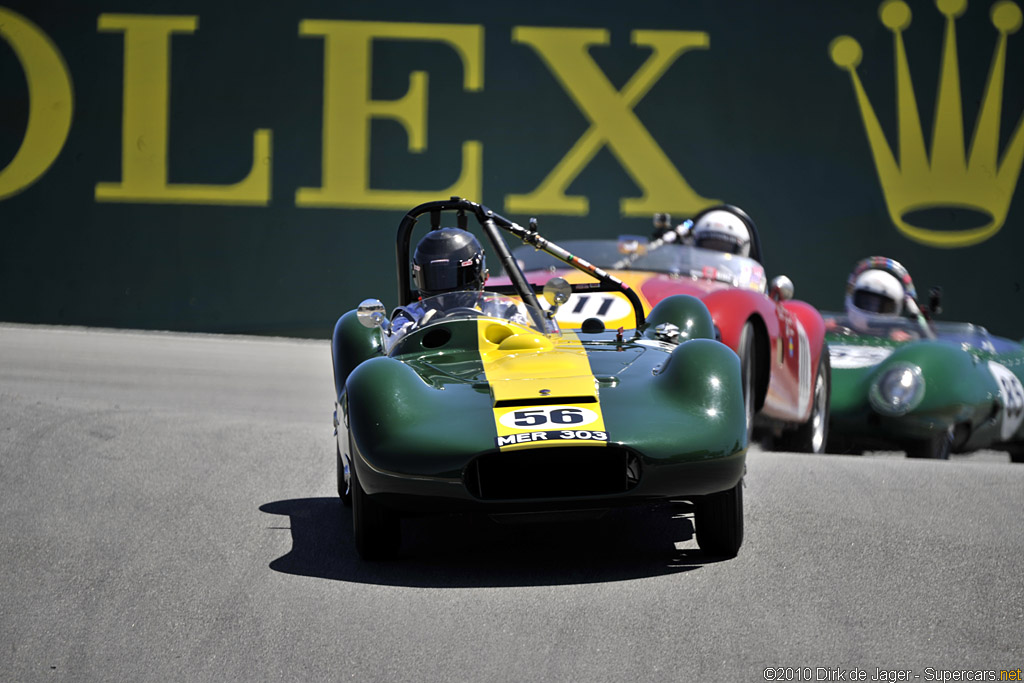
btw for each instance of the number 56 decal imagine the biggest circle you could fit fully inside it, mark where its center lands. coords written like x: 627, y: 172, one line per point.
x: 546, y: 416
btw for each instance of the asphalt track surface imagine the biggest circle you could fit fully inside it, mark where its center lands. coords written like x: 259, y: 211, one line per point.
x: 168, y: 514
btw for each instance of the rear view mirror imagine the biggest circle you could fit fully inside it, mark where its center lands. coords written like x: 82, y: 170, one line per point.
x: 556, y: 292
x: 371, y: 313
x: 781, y: 288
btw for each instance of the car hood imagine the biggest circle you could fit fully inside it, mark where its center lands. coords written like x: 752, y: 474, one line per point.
x: 518, y: 378
x: 951, y: 374
x: 529, y: 378
x: 554, y: 368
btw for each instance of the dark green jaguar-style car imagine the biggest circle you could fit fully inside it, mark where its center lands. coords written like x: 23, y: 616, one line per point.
x: 902, y: 380
x: 484, y: 404
x: 954, y: 390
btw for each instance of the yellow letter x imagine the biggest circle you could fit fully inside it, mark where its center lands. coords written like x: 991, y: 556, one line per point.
x: 613, y: 123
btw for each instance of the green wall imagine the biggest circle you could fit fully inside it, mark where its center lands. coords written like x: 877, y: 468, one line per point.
x: 242, y: 167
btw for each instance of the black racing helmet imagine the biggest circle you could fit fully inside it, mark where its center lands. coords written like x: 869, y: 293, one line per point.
x: 447, y: 260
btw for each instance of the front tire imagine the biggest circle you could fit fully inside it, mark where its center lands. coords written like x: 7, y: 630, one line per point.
x: 840, y: 445
x: 344, y: 486
x: 812, y: 436
x: 936, y: 448
x: 747, y: 368
x: 719, y: 518
x: 377, y: 529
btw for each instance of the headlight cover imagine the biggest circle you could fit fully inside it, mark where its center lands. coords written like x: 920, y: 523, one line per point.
x: 898, y: 390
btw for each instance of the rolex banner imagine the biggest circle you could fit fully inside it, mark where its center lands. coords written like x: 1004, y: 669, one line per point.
x: 243, y: 167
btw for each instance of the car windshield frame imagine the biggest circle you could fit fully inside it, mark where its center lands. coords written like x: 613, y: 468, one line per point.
x: 961, y: 333
x: 473, y: 305
x: 669, y: 259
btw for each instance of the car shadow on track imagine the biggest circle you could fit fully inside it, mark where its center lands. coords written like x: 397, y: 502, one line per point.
x: 473, y: 551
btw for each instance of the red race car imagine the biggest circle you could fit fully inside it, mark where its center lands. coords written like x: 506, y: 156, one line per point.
x: 716, y: 257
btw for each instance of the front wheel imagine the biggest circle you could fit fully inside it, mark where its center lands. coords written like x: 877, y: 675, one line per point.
x: 719, y: 518
x: 747, y: 360
x: 377, y: 529
x: 936, y: 448
x: 344, y: 480
x: 812, y: 436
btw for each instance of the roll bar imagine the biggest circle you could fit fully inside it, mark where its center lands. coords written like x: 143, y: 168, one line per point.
x: 490, y: 222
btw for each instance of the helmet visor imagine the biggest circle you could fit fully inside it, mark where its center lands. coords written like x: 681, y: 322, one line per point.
x: 446, y: 275
x: 873, y: 302
x: 720, y: 243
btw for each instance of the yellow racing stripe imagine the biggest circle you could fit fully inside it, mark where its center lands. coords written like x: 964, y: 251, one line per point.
x: 543, y: 389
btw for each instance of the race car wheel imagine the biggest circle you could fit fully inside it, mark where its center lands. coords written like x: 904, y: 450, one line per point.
x: 936, y: 448
x: 746, y: 352
x: 377, y: 529
x: 719, y: 518
x: 344, y: 490
x: 843, y: 446
x: 1016, y: 452
x: 812, y: 436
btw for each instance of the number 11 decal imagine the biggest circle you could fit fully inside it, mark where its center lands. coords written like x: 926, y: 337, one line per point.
x: 603, y: 303
x: 606, y: 307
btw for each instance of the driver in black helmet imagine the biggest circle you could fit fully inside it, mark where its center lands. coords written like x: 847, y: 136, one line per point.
x: 447, y: 261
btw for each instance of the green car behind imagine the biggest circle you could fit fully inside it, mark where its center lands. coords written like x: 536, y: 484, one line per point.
x: 957, y: 390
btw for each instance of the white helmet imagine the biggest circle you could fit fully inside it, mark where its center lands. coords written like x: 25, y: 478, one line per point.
x: 877, y: 296
x: 722, y: 231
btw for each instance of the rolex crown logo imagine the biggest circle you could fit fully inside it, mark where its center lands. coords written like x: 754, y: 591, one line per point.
x: 975, y: 181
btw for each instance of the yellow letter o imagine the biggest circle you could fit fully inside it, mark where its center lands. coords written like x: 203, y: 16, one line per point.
x: 50, y: 102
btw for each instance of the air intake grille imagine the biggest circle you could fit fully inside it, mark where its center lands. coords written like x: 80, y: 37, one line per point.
x: 569, y: 472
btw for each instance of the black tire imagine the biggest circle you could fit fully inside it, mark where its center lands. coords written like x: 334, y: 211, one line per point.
x: 812, y: 436
x: 747, y: 373
x: 936, y: 448
x: 377, y: 529
x: 1016, y: 452
x: 344, y: 489
x: 843, y: 446
x: 719, y: 518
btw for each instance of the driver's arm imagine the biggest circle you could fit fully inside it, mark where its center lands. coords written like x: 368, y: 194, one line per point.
x: 403, y: 319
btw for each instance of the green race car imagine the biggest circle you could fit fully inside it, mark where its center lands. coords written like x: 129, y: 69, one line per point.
x: 486, y: 405
x: 905, y: 382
